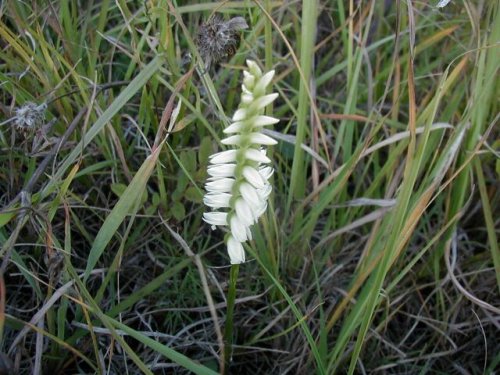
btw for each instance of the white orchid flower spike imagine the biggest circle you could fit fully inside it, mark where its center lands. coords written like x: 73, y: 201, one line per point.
x: 238, y: 187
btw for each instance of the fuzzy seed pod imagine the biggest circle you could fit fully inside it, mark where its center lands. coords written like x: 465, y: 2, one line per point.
x: 29, y: 117
x: 218, y: 40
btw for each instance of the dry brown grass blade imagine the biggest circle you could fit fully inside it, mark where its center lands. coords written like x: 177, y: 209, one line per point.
x: 169, y: 107
x: 339, y: 116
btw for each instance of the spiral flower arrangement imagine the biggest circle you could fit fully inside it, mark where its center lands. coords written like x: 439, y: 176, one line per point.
x: 238, y: 187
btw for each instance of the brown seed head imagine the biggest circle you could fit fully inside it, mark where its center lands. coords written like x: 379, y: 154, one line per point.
x: 218, y: 39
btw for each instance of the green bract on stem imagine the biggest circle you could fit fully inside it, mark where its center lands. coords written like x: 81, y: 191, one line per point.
x: 238, y: 187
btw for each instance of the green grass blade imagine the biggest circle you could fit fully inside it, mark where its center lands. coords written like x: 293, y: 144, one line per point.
x: 308, y: 37
x: 127, y: 205
x: 133, y: 87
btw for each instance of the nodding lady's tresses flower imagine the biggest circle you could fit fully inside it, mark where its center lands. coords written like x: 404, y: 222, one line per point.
x: 238, y: 187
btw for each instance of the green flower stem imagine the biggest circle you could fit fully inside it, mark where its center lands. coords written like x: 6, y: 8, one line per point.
x: 228, y: 331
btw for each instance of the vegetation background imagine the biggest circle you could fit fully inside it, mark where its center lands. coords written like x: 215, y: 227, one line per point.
x: 378, y: 253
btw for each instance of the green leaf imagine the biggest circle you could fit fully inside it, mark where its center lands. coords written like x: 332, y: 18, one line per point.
x: 188, y: 160
x: 154, y: 204
x: 6, y: 217
x: 118, y: 189
x: 193, y: 195
x: 156, y: 199
x: 182, y: 182
x: 205, y: 150
x: 178, y: 210
x: 127, y: 205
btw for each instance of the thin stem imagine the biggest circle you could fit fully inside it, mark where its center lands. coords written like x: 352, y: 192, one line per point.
x: 228, y: 331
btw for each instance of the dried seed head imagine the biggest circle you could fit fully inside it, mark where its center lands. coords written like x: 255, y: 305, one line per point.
x: 218, y: 39
x: 29, y: 117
